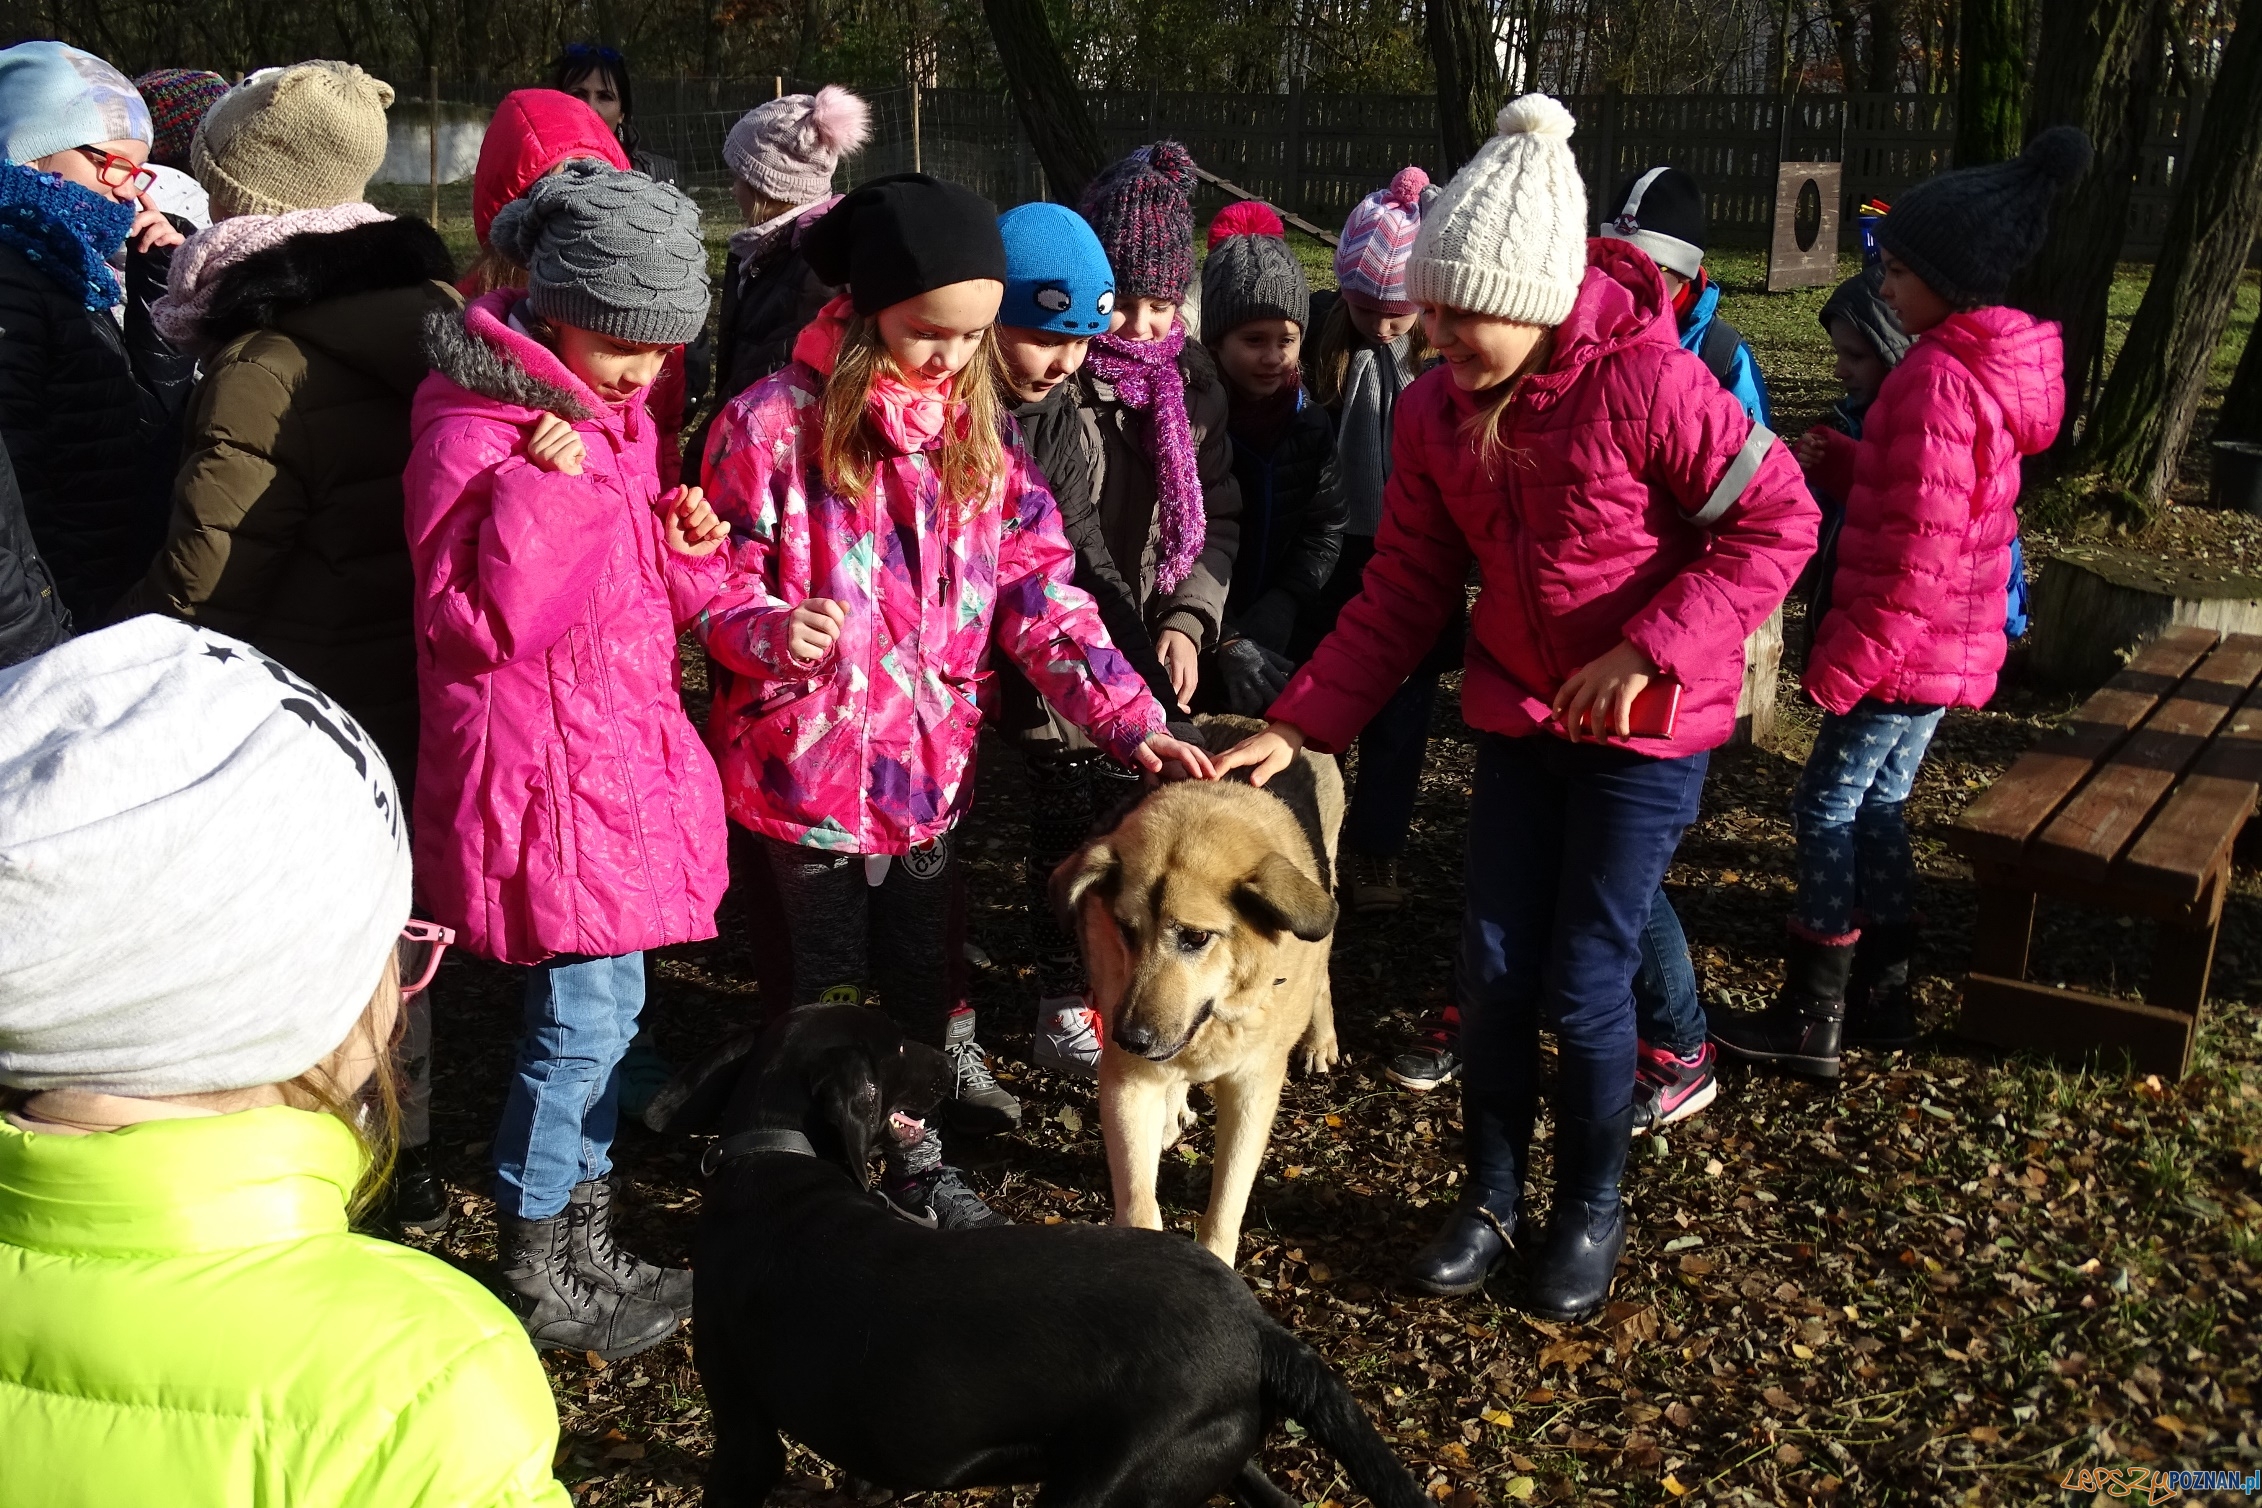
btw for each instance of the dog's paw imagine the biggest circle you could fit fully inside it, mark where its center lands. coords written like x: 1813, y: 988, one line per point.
x: 1315, y: 1055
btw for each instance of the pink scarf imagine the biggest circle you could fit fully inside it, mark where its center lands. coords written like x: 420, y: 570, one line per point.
x: 199, y: 261
x: 1146, y: 377
x: 909, y: 417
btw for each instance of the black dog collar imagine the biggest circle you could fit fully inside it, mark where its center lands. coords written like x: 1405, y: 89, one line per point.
x: 745, y: 1143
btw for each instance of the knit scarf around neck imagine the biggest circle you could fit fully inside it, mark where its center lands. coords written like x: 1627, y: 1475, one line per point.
x: 910, y: 418
x: 68, y: 232
x: 1147, y: 378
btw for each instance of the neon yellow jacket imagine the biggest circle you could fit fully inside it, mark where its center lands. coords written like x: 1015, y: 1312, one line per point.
x: 185, y: 1320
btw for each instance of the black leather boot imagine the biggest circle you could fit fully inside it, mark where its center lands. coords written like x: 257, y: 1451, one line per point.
x: 597, y: 1255
x: 562, y: 1309
x: 1473, y: 1241
x: 417, y: 1200
x: 1801, y: 1031
x: 1879, y: 1011
x: 1571, y: 1277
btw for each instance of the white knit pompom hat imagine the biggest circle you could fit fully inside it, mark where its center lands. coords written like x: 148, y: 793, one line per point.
x: 1509, y: 234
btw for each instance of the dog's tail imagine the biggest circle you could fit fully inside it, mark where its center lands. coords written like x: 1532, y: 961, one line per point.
x: 1298, y: 1384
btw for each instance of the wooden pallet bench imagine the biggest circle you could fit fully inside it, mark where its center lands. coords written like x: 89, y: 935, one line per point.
x: 2131, y: 808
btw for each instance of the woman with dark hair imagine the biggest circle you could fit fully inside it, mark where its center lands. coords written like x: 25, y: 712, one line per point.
x: 598, y: 77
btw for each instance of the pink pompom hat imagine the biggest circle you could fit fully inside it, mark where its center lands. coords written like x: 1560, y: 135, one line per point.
x: 1370, y: 262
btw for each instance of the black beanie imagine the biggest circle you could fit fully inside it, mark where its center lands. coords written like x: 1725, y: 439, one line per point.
x: 903, y: 235
x: 1965, y: 233
x: 1662, y: 212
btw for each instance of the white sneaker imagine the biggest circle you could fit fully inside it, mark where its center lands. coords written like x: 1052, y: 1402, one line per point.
x: 1067, y: 1038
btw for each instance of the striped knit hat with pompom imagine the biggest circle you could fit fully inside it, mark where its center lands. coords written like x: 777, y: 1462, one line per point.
x: 1370, y: 261
x: 1142, y: 208
x: 1509, y: 235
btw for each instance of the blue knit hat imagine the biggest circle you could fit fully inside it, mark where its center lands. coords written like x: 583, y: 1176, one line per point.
x: 54, y: 98
x: 1056, y: 276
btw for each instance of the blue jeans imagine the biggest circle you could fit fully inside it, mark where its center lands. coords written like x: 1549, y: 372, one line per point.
x: 1391, y: 750
x: 1567, y: 843
x: 1854, y: 863
x: 564, y: 1097
x: 1667, y: 1013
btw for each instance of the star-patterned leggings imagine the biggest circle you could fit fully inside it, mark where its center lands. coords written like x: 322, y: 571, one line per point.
x: 1854, y: 864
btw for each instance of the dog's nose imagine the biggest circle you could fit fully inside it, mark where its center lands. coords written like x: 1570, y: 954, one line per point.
x: 1134, y: 1038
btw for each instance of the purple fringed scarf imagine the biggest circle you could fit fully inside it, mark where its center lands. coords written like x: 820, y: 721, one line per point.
x: 1146, y: 377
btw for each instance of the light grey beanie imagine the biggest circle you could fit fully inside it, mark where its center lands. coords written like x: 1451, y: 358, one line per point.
x: 1509, y: 234
x: 1250, y: 277
x: 611, y: 252
x: 203, y: 866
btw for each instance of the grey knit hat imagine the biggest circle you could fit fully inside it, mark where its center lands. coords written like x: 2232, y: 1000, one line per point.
x: 1252, y: 277
x: 1965, y: 233
x: 611, y: 252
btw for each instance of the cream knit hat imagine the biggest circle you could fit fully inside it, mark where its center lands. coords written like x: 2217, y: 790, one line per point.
x: 1509, y: 234
x: 304, y: 137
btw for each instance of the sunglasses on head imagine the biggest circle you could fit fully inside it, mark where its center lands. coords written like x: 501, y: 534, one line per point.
x: 114, y: 171
x: 418, y: 953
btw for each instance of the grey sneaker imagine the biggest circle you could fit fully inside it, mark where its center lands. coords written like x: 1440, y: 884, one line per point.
x: 1434, y: 1059
x: 1067, y: 1038
x: 941, y: 1197
x: 599, y: 1258
x: 977, y: 1104
x: 563, y: 1310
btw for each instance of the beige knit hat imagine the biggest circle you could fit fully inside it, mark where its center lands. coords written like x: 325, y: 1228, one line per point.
x: 1509, y: 234
x: 304, y: 137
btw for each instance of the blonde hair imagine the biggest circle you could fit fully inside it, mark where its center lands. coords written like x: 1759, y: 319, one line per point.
x: 1329, y: 363
x: 371, y: 1112
x: 971, y: 462
x: 1482, y: 429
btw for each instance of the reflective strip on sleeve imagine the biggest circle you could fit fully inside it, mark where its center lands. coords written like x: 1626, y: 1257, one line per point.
x: 1738, y: 476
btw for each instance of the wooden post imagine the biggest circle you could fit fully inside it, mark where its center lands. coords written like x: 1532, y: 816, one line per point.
x: 1292, y: 151
x: 915, y: 166
x: 433, y: 90
x: 777, y: 86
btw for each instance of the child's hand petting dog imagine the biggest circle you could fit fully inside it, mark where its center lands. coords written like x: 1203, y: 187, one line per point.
x: 812, y: 628
x: 1174, y: 759
x: 691, y: 525
x: 554, y: 446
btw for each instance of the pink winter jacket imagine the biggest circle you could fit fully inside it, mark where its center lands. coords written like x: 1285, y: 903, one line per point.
x: 867, y: 750
x: 1582, y: 535
x: 1924, y: 558
x: 564, y: 803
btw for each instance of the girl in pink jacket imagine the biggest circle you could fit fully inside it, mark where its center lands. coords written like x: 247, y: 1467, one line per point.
x: 567, y: 816
x: 1915, y: 622
x: 893, y: 530
x: 1630, y: 525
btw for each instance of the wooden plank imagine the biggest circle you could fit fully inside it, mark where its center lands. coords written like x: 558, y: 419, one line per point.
x: 2092, y: 828
x: 2114, y: 898
x: 2069, y: 1025
x: 2182, y: 958
x: 2189, y: 840
x: 2003, y: 933
x: 1999, y: 822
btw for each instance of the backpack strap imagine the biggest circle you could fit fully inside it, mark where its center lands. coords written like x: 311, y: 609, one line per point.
x: 1736, y: 478
x: 1718, y: 349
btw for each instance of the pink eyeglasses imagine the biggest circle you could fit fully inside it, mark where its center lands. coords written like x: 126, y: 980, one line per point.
x: 418, y: 951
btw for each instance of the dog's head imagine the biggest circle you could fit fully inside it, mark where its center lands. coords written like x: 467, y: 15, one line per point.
x: 841, y: 1075
x: 1182, y: 910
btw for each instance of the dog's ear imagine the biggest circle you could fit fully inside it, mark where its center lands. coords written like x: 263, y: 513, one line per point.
x: 1279, y: 897
x: 1095, y: 865
x: 690, y: 1103
x: 847, y: 1093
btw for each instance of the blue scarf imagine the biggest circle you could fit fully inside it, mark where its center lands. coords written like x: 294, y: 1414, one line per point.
x: 66, y: 231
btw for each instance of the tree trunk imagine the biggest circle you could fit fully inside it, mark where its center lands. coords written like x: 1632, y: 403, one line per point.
x: 2099, y: 70
x: 1884, y: 46
x: 2144, y: 418
x: 1990, y: 81
x: 1052, y: 107
x: 2241, y: 418
x: 1845, y: 32
x: 1468, y: 77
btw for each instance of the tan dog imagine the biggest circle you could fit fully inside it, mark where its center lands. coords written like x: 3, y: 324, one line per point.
x: 1206, y: 920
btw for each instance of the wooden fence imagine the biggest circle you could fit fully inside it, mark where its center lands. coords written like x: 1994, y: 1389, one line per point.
x: 1319, y: 154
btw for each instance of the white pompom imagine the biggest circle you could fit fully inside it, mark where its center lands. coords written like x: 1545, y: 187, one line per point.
x: 1534, y: 115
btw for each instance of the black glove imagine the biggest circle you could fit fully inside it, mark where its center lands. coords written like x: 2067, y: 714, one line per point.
x: 1254, y: 676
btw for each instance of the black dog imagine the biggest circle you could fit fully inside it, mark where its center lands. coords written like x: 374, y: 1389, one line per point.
x: 1116, y: 1366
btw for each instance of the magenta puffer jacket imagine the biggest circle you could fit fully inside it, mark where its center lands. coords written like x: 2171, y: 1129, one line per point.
x: 867, y: 750
x: 1924, y: 558
x: 564, y: 803
x: 1635, y: 501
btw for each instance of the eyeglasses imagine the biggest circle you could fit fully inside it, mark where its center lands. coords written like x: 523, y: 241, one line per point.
x: 116, y: 172
x: 418, y: 952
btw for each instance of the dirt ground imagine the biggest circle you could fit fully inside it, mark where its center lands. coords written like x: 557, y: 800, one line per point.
x: 1949, y: 1280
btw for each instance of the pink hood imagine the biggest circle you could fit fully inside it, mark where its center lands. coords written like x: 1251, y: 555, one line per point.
x: 1581, y: 534
x: 1924, y: 559
x: 564, y: 803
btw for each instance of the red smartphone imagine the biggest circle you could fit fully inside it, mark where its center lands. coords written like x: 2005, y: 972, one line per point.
x: 1655, y: 708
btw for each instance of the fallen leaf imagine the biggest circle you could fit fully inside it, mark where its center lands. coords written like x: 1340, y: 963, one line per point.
x: 1455, y: 1452
x: 1499, y: 1417
x: 596, y: 1362
x: 1069, y: 1119
x: 1698, y: 1267
x: 1518, y: 1488
x: 1673, y: 1485
x: 1571, y: 1354
x: 1320, y: 1272
x: 1679, y: 1415
x: 1780, y: 1401
x: 1986, y: 1434
x: 1789, y: 1454
x: 630, y: 1451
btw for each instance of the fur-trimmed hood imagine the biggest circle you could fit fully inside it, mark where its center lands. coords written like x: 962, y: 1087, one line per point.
x: 261, y: 290
x: 477, y: 349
